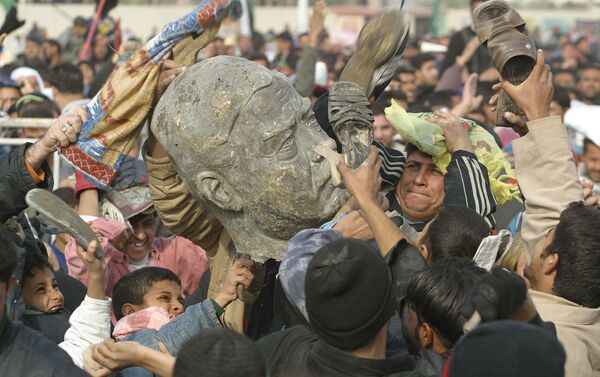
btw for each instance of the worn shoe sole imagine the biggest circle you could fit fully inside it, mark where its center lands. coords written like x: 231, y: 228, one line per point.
x: 382, y: 38
x: 58, y: 214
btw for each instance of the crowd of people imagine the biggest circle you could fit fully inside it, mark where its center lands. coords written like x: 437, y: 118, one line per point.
x: 426, y: 270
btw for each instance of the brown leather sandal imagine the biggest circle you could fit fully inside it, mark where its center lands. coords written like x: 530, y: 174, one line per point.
x: 499, y: 27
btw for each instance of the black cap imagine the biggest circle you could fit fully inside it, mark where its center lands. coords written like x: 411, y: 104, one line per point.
x: 349, y: 294
x: 507, y: 349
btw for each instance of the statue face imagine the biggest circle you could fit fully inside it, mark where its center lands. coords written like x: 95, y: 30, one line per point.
x: 243, y: 140
x: 284, y: 185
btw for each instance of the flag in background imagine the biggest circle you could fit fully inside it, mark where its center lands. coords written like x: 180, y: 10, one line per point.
x: 436, y: 24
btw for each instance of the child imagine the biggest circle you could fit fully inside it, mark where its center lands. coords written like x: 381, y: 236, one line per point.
x: 44, y: 303
x: 90, y: 322
x: 149, y: 308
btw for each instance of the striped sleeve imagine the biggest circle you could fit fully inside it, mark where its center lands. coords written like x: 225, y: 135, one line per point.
x: 392, y: 166
x: 467, y: 185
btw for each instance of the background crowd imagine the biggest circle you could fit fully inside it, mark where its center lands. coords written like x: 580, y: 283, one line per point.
x: 333, y: 306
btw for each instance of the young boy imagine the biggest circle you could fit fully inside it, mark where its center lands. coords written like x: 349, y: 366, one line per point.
x: 44, y: 303
x: 148, y: 305
x: 90, y: 322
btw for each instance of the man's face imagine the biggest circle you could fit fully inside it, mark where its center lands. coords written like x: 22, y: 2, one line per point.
x: 564, y: 80
x: 591, y: 159
x: 589, y: 83
x: 32, y: 49
x: 382, y: 129
x: 287, y: 187
x: 49, y: 50
x: 8, y: 98
x: 421, y: 188
x: 139, y: 241
x: 428, y: 73
x: 41, y: 292
x: 534, y: 271
x: 408, y: 86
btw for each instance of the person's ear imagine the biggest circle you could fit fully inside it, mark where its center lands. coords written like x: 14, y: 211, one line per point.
x: 426, y: 335
x: 425, y: 253
x: 219, y: 192
x: 128, y: 309
x: 550, y: 263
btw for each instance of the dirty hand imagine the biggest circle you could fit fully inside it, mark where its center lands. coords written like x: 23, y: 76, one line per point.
x: 169, y: 70
x: 456, y: 132
x: 239, y: 273
x: 519, y: 123
x: 534, y: 95
x: 363, y: 183
x: 61, y: 134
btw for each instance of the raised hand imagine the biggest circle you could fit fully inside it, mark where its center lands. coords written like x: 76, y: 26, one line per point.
x: 533, y: 95
x: 61, y: 134
x: 363, y: 183
x: 455, y: 131
x: 238, y: 273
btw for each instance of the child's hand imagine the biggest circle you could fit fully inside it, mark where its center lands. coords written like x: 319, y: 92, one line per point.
x: 238, y: 273
x: 93, y: 265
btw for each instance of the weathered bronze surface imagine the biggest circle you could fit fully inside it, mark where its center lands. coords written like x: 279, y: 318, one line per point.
x: 243, y: 140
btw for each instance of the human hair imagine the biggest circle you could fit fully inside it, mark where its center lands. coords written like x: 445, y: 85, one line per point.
x: 438, y: 293
x: 34, y: 262
x: 410, y: 149
x: 220, y: 353
x: 586, y: 67
x: 54, y: 43
x: 561, y: 96
x: 420, y: 59
x: 455, y: 232
x: 404, y: 68
x: 131, y: 288
x: 8, y: 255
x: 577, y: 242
x: 586, y: 144
x: 36, y: 107
x: 385, y: 100
x: 67, y: 78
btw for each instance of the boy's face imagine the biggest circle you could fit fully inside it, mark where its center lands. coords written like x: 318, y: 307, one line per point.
x: 164, y: 294
x: 41, y: 292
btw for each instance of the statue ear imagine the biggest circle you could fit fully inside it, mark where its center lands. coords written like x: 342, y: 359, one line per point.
x: 219, y: 192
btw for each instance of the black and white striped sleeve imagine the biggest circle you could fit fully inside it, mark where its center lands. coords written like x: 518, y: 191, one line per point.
x: 392, y: 166
x: 467, y: 185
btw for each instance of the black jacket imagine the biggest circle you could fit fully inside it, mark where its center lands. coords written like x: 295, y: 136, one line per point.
x: 15, y: 182
x: 298, y: 352
x: 25, y: 353
x: 480, y: 61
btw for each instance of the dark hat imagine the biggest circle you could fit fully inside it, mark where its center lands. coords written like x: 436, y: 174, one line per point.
x: 349, y: 295
x: 507, y: 349
x: 220, y: 353
x: 7, y: 82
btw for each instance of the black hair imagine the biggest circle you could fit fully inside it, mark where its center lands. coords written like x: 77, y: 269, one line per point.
x: 67, y: 78
x: 88, y: 63
x: 561, y: 96
x: 404, y: 68
x: 577, y: 242
x: 455, y: 232
x: 418, y: 61
x: 569, y: 71
x: 131, y: 288
x: 8, y: 255
x: 410, y: 149
x: 381, y: 103
x: 586, y: 143
x: 54, y: 43
x: 586, y: 67
x: 35, y: 261
x: 220, y: 353
x: 438, y: 293
x: 35, y: 108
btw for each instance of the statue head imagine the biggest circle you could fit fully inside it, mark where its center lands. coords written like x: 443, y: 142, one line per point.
x: 243, y: 140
